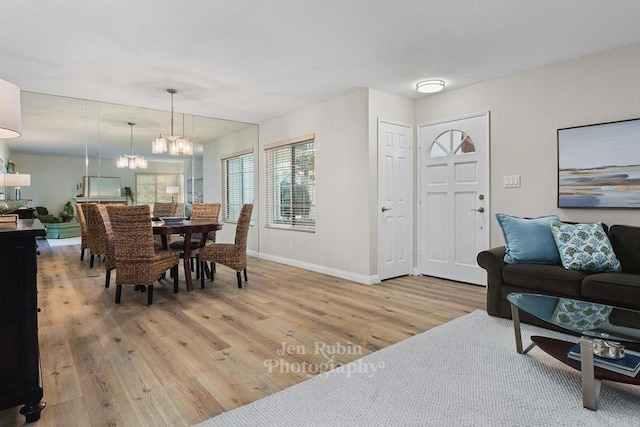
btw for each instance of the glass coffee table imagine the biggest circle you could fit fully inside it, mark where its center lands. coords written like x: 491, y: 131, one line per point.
x: 592, y: 321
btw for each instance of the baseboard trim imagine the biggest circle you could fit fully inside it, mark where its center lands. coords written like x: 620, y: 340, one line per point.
x: 360, y: 278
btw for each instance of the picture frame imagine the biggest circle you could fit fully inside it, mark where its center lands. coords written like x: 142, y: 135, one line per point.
x: 599, y: 165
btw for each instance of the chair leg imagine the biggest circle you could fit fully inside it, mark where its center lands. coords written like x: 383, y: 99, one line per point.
x: 107, y: 279
x: 150, y: 295
x: 91, y: 261
x: 82, y: 254
x: 174, y: 271
x: 239, y: 279
x: 245, y: 275
x: 202, y: 264
x: 118, y: 293
x: 213, y: 270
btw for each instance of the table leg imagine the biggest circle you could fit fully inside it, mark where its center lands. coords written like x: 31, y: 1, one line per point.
x: 515, y: 315
x: 187, y: 261
x: 590, y: 385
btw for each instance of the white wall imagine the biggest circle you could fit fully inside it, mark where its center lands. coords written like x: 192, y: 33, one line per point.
x: 214, y: 151
x: 341, y: 243
x: 526, y: 111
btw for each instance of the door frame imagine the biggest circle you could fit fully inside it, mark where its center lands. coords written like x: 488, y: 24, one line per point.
x: 487, y: 157
x: 412, y: 198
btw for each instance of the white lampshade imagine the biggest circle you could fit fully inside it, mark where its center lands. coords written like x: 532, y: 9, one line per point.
x: 17, y: 180
x: 172, y: 189
x: 430, y: 86
x: 10, y: 112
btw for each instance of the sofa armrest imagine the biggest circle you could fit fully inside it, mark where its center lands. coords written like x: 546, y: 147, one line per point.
x: 492, y: 260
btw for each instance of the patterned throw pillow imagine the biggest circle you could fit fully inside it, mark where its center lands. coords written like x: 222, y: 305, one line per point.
x: 580, y: 315
x: 584, y: 247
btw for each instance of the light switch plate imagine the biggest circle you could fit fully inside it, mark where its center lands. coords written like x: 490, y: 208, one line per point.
x: 511, y: 181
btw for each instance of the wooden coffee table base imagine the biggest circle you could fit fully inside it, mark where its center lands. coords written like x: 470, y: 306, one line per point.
x: 558, y: 349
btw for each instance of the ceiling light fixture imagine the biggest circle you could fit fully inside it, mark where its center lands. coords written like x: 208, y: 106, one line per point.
x: 10, y: 115
x: 430, y: 86
x: 177, y: 144
x: 131, y: 161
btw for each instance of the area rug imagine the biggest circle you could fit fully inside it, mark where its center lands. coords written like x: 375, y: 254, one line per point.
x: 463, y: 373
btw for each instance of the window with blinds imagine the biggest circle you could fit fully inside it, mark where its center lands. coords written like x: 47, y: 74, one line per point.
x: 238, y: 180
x: 152, y: 188
x: 290, y: 180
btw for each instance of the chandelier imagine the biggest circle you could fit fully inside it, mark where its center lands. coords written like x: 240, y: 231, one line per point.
x: 131, y: 161
x: 177, y: 144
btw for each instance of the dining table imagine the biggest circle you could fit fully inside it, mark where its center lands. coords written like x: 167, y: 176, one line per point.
x: 186, y: 228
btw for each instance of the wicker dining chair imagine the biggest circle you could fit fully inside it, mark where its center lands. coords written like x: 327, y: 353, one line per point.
x: 101, y: 237
x: 84, y: 244
x: 232, y: 255
x: 107, y: 232
x: 95, y: 239
x: 137, y: 262
x: 199, y: 212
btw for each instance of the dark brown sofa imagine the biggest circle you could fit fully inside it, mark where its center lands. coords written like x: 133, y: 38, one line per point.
x: 618, y: 289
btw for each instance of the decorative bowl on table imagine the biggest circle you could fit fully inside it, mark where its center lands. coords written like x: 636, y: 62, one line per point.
x: 172, y: 219
x: 7, y: 206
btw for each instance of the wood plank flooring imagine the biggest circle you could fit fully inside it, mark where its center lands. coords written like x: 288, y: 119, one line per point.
x: 193, y: 355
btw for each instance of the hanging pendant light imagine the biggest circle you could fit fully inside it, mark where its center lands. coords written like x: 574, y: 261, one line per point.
x: 177, y: 144
x: 131, y: 161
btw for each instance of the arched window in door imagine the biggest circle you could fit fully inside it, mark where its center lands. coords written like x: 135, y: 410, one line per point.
x: 452, y: 142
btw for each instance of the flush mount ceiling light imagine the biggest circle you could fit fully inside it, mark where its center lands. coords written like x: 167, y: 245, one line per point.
x: 131, y: 161
x: 177, y: 144
x: 430, y: 86
x: 10, y: 116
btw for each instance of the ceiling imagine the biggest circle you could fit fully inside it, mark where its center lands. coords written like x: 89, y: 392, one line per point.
x: 254, y: 60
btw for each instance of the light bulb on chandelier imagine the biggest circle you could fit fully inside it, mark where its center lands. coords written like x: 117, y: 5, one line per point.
x: 131, y: 161
x: 177, y: 144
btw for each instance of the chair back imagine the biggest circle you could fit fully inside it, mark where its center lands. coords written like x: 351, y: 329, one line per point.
x: 83, y: 225
x: 209, y: 212
x: 107, y: 232
x: 166, y: 209
x: 132, y: 231
x: 96, y: 237
x: 242, y: 227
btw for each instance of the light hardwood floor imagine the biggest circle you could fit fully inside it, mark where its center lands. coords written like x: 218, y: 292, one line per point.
x: 193, y: 355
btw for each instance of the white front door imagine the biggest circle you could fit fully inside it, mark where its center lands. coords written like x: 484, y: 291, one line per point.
x: 396, y: 190
x: 454, y: 197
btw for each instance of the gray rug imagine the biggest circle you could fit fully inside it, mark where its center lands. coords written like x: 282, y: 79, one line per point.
x: 463, y: 373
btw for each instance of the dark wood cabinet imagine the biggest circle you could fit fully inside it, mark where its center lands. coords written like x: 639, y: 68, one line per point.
x: 20, y: 381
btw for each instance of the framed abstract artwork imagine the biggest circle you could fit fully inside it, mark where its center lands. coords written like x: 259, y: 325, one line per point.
x: 599, y: 165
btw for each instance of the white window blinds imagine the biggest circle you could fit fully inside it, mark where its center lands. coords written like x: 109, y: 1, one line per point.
x: 238, y: 178
x: 290, y: 181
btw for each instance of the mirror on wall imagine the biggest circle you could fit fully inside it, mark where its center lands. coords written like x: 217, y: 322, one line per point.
x: 66, y: 139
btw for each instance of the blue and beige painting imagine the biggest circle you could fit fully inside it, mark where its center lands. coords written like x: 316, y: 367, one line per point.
x: 599, y: 166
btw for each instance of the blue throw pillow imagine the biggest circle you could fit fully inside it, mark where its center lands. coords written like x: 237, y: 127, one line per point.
x: 529, y: 240
x: 585, y: 247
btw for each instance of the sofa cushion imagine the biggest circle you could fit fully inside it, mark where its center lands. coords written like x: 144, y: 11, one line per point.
x: 624, y: 240
x: 620, y: 289
x: 541, y: 278
x: 584, y: 247
x: 528, y: 240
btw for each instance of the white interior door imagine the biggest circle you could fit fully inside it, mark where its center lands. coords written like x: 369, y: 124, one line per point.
x: 395, y: 189
x: 454, y: 197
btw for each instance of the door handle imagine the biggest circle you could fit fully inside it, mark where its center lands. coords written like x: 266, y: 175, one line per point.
x: 384, y: 209
x: 481, y: 209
